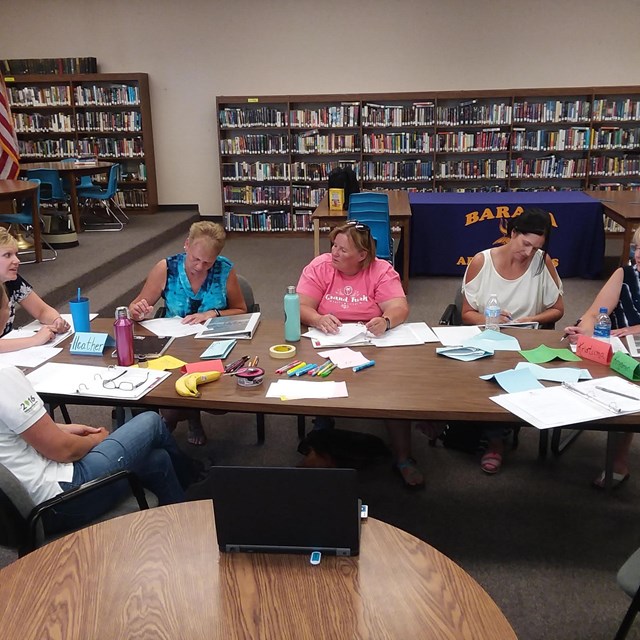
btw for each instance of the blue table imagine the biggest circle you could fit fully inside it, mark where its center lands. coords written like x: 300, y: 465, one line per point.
x: 448, y: 229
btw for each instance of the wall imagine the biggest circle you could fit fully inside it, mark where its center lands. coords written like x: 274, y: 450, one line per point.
x: 196, y: 49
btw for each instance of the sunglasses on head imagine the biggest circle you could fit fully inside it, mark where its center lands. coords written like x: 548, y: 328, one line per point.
x: 360, y: 226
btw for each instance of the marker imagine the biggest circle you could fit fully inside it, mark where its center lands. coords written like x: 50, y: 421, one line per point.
x: 303, y: 370
x: 325, y: 373
x: 322, y: 368
x: 292, y: 371
x: 288, y: 366
x: 566, y: 335
x: 235, y: 365
x: 366, y: 365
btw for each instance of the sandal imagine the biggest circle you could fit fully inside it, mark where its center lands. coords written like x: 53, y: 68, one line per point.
x: 197, y: 437
x: 616, y: 480
x: 491, y: 462
x: 411, y: 476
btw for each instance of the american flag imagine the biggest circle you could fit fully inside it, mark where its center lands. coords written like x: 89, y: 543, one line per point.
x: 9, y: 157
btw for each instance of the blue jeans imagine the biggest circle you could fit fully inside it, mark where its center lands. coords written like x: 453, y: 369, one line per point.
x: 142, y: 445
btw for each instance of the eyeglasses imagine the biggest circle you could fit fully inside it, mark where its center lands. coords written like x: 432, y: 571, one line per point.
x: 124, y: 385
x: 360, y: 226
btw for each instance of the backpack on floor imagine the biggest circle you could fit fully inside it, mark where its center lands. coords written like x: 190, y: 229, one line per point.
x: 344, y: 178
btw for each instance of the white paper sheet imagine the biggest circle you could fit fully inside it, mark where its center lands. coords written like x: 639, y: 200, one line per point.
x: 171, y: 327
x: 34, y: 326
x: 454, y: 336
x: 410, y: 333
x: 344, y: 358
x: 298, y: 389
x: 30, y: 357
x: 351, y: 333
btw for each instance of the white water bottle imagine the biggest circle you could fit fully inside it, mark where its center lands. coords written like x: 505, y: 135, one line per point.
x: 602, y: 328
x: 492, y: 313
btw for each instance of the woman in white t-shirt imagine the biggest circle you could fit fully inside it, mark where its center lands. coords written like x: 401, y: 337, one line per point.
x: 522, y: 275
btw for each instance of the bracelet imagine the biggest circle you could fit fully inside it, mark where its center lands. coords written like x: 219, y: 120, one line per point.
x: 388, y: 323
x: 217, y: 312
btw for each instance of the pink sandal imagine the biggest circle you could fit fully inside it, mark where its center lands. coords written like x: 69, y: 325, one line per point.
x: 491, y: 462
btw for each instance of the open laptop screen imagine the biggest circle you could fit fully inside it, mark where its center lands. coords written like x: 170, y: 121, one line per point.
x: 286, y: 510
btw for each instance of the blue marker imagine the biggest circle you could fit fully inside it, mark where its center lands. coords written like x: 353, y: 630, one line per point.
x: 304, y: 369
x: 366, y: 365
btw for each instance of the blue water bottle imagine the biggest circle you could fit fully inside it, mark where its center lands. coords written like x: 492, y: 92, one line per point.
x: 602, y: 327
x: 291, y: 315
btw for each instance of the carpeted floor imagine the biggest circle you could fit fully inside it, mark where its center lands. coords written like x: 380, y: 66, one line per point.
x: 542, y: 542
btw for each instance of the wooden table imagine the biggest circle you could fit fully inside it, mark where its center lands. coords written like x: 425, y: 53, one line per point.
x: 159, y: 574
x: 73, y: 171
x: 21, y: 190
x: 399, y: 213
x: 624, y: 208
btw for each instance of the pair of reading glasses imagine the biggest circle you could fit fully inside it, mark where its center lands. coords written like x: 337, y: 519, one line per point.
x: 123, y: 385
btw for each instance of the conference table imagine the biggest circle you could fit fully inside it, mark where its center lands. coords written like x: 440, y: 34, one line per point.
x: 399, y: 215
x: 72, y: 170
x: 448, y: 229
x: 21, y: 190
x: 624, y: 208
x: 159, y: 574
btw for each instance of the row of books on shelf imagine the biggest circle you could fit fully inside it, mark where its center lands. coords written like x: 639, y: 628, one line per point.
x: 611, y: 226
x: 268, y: 221
x: 132, y: 198
x: 85, y: 95
x: 99, y: 121
x: 255, y: 144
x: 103, y: 147
x: 265, y: 171
x: 470, y: 112
x: 39, y: 66
x: 615, y: 166
x: 572, y: 139
x: 325, y: 143
x: 299, y: 195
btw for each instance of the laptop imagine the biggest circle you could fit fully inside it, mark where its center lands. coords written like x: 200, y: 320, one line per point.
x: 286, y: 510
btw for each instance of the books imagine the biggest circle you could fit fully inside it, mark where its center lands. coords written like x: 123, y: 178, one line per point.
x: 218, y: 350
x: 336, y: 199
x: 149, y: 346
x: 241, y: 327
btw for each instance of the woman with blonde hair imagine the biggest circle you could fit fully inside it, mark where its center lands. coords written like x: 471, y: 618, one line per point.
x: 196, y: 285
x: 19, y: 291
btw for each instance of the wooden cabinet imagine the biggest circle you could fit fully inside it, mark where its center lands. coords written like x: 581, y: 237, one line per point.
x: 276, y: 152
x: 107, y: 116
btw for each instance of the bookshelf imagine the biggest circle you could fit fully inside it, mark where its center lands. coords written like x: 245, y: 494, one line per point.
x: 103, y: 115
x: 276, y: 152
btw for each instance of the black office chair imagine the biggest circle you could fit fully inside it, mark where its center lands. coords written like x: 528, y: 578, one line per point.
x: 629, y: 581
x: 452, y: 316
x: 21, y: 518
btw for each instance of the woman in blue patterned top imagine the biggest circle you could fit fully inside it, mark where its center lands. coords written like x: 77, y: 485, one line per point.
x: 196, y: 285
x: 19, y: 292
x: 621, y: 297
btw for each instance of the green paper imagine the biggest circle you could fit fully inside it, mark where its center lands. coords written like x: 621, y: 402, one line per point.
x: 546, y: 354
x: 625, y: 365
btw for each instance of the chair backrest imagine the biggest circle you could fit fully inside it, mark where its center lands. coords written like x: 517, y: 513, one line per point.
x: 369, y: 196
x: 247, y: 294
x: 356, y: 208
x: 15, y: 506
x: 85, y: 181
x: 50, y: 184
x: 380, y: 226
x: 112, y: 184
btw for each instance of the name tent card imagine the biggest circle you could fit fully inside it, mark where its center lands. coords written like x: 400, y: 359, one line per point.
x: 594, y: 349
x: 625, y: 365
x: 90, y: 344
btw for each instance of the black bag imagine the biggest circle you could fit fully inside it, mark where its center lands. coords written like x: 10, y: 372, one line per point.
x: 342, y: 448
x: 344, y: 178
x: 470, y: 436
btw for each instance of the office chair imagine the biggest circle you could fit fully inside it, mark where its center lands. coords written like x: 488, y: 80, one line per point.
x: 452, y: 316
x: 21, y: 518
x: 26, y: 218
x: 105, y: 199
x: 628, y: 579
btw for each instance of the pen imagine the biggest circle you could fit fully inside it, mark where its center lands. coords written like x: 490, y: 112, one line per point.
x: 617, y: 393
x: 236, y: 364
x: 254, y: 362
x: 327, y: 371
x: 288, y: 366
x: 566, y: 335
x: 365, y: 365
x: 322, y: 368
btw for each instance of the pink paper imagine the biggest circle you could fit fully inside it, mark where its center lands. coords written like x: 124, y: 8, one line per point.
x: 594, y: 349
x: 203, y: 365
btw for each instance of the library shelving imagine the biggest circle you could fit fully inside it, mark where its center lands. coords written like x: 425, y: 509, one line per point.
x: 107, y: 116
x: 276, y: 152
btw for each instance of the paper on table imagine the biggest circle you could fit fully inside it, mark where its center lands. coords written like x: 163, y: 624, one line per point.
x: 406, y: 334
x: 34, y: 326
x: 29, y: 357
x: 171, y: 327
x: 558, y: 406
x: 455, y: 336
x: 514, y: 380
x: 86, y: 380
x: 351, y: 333
x: 297, y: 389
x: 546, y: 354
x: 558, y: 374
x: 493, y: 341
x: 344, y: 358
x: 465, y: 354
x: 165, y: 363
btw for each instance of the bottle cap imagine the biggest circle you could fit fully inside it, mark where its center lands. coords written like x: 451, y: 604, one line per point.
x: 122, y: 312
x: 603, y: 309
x: 291, y: 289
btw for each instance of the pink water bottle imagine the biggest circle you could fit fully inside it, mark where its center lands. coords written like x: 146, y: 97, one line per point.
x: 123, y: 328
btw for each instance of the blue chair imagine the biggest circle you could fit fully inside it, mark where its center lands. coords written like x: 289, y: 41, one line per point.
x: 372, y: 208
x: 85, y: 181
x: 25, y: 218
x: 51, y: 189
x: 369, y: 197
x: 105, y: 199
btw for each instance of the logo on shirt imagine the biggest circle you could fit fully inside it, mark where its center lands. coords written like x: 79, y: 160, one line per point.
x: 28, y: 403
x: 347, y: 297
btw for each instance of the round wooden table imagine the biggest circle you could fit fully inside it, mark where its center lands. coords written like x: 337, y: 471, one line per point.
x: 21, y: 190
x: 159, y: 574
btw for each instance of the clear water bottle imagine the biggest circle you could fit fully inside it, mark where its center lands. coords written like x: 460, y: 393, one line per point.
x: 492, y: 313
x: 123, y: 329
x: 291, y: 315
x: 602, y: 328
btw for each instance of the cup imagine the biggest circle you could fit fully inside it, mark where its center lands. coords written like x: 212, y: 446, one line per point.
x: 80, y: 315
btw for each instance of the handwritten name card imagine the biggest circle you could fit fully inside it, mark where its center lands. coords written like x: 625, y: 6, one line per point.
x: 88, y: 344
x: 594, y: 349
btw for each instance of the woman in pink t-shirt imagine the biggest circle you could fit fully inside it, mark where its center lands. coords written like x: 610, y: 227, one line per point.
x: 351, y: 285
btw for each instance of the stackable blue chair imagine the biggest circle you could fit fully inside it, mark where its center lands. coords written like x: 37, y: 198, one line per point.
x: 85, y: 181
x: 372, y: 208
x: 51, y: 188
x: 25, y: 218
x: 105, y: 198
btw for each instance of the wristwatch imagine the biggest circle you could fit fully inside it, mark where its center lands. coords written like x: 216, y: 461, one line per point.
x: 217, y: 312
x: 388, y: 323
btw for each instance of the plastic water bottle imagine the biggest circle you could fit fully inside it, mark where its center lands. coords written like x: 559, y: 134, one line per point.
x: 492, y: 313
x: 123, y: 329
x: 291, y: 315
x: 602, y: 328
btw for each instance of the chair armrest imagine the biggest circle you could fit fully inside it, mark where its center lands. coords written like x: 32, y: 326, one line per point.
x: 449, y: 317
x: 67, y: 496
